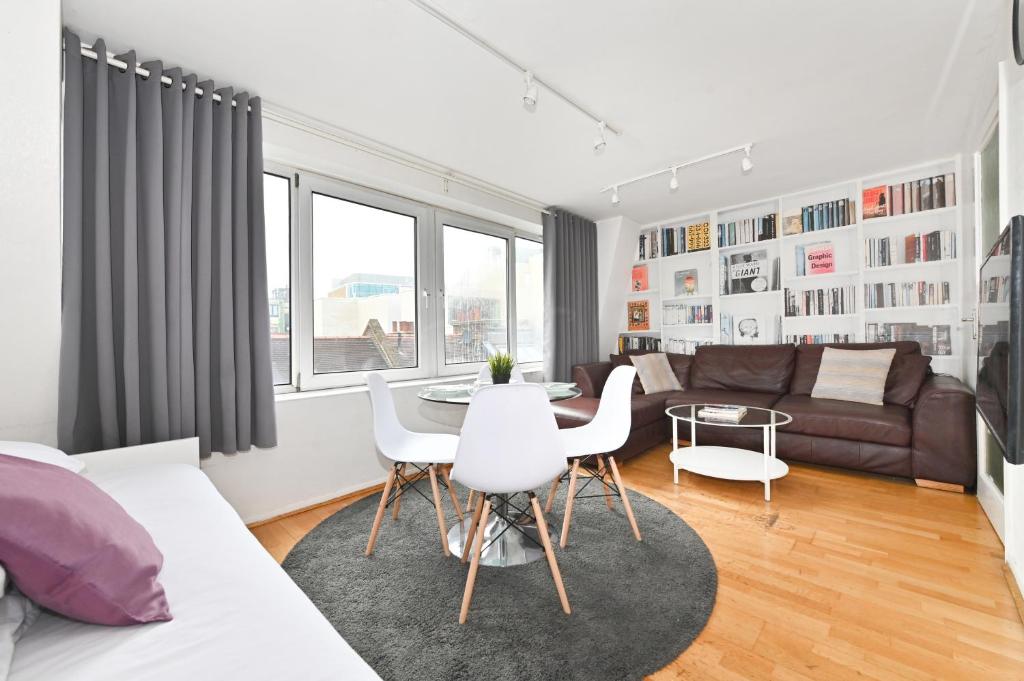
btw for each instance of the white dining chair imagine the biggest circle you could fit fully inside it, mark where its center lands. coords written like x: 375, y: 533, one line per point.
x: 428, y: 453
x: 509, y: 445
x: 588, y: 446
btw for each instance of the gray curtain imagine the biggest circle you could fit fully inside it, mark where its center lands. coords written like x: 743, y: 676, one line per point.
x: 165, y: 330
x: 570, y: 293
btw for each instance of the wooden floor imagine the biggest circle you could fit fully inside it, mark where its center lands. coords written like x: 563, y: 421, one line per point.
x: 841, y: 576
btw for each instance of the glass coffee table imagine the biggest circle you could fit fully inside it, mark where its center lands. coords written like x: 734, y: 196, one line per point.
x: 728, y: 463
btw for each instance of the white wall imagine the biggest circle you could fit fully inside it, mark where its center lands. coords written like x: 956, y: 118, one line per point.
x: 29, y: 218
x: 616, y: 243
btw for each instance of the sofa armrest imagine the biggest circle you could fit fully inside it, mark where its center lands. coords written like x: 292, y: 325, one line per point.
x: 591, y: 377
x: 944, y: 448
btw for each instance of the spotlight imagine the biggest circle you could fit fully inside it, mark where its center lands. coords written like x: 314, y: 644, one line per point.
x: 673, y: 184
x: 615, y: 196
x: 599, y: 141
x: 746, y: 165
x: 530, y: 96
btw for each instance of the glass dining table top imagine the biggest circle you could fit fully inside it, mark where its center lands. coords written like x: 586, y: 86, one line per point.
x: 462, y: 393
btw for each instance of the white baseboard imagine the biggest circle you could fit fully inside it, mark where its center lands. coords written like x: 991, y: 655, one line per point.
x: 991, y: 500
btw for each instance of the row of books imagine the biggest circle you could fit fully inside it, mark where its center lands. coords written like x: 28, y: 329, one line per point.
x: 668, y: 241
x: 627, y: 343
x: 747, y: 231
x: 816, y: 258
x: 673, y: 314
x: 995, y: 289
x: 922, y: 247
x: 910, y: 197
x: 838, y: 213
x: 726, y: 414
x: 820, y: 301
x: 906, y: 294
x: 752, y: 272
x: 935, y: 339
x: 818, y: 338
x: 685, y: 346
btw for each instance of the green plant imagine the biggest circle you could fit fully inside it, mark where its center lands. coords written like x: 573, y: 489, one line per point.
x: 500, y: 365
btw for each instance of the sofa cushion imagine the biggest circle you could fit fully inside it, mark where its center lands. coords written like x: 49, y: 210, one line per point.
x: 886, y: 424
x: 655, y: 373
x: 808, y: 359
x: 853, y: 375
x: 710, y: 396
x: 906, y: 376
x: 759, y: 369
x: 680, y: 366
x: 645, y: 409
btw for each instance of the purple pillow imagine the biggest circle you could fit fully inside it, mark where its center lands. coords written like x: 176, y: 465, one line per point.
x: 71, y: 548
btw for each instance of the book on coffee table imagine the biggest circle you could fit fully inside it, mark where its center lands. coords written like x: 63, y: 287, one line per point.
x: 729, y: 414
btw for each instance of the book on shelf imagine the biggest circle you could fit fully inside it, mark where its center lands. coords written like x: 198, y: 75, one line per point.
x: 819, y: 338
x: 884, y: 251
x: 750, y: 272
x: 638, y: 315
x: 820, y: 216
x: 663, y: 242
x: 995, y: 289
x: 633, y: 343
x: 639, y: 279
x: 747, y: 231
x: 820, y: 301
x: 674, y: 314
x: 816, y: 258
x: 686, y: 283
x: 928, y: 193
x: 906, y: 294
x: 685, y: 346
x: 750, y: 329
x: 935, y: 339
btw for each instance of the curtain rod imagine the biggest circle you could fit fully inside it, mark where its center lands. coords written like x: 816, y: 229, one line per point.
x: 88, y: 51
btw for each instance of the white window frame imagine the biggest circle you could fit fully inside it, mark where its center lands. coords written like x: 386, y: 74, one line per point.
x: 429, y: 279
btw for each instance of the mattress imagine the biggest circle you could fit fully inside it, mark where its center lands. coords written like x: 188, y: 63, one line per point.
x: 237, y: 614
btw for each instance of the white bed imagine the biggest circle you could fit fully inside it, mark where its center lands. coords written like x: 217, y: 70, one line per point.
x: 237, y: 615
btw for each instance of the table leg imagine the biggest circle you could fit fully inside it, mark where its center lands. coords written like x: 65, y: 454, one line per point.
x: 675, y: 448
x: 693, y: 425
x: 767, y: 455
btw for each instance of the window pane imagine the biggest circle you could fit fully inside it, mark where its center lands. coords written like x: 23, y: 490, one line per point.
x: 529, y: 301
x: 475, y: 295
x: 277, y: 214
x: 364, y: 287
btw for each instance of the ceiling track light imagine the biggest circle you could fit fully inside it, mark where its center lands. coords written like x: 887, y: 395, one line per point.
x: 746, y: 165
x: 530, y: 96
x: 600, y: 142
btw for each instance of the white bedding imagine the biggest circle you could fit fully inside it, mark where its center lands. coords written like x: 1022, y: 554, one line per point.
x: 237, y: 615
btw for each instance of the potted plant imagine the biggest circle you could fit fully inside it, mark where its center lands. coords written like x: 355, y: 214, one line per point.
x: 500, y: 365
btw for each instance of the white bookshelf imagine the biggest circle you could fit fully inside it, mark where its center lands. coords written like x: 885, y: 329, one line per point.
x: 850, y: 265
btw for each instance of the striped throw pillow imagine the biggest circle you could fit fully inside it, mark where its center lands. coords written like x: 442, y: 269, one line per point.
x: 656, y: 375
x: 853, y: 375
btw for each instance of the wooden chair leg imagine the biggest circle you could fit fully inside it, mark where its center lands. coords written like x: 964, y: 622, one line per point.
x: 440, y: 509
x: 551, y: 494
x: 380, y: 509
x: 601, y: 472
x: 625, y: 498
x: 471, y: 530
x: 398, y: 496
x: 569, y: 502
x: 469, y: 501
x: 545, y: 539
x: 451, y: 493
x: 478, y: 542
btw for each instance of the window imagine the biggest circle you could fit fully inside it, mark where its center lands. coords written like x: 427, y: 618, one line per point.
x: 383, y: 283
x: 475, y: 295
x: 277, y: 216
x: 529, y: 300
x: 364, y: 287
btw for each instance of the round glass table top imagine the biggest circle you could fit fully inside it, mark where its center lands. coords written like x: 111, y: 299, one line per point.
x: 755, y: 417
x: 463, y: 393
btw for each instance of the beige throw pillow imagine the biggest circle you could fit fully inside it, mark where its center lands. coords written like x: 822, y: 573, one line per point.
x: 656, y: 375
x: 853, y: 375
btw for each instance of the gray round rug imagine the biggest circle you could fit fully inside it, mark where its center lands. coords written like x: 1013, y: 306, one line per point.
x: 635, y: 605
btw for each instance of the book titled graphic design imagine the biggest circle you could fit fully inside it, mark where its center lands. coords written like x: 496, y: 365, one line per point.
x: 638, y: 315
x: 640, y: 281
x: 686, y: 283
x: 819, y: 258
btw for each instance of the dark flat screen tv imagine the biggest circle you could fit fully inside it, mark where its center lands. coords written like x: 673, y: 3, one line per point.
x: 1000, y: 298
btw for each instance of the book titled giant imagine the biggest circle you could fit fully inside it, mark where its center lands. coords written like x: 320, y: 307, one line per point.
x: 749, y: 272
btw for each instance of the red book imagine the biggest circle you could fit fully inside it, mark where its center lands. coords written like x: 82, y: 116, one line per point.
x: 640, y: 282
x: 874, y: 202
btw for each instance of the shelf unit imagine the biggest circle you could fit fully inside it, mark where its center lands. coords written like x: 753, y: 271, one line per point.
x: 848, y: 244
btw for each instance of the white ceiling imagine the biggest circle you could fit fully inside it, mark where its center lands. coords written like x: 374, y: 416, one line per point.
x: 827, y: 89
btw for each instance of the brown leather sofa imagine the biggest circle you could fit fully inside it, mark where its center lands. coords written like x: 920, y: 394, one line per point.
x: 925, y: 429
